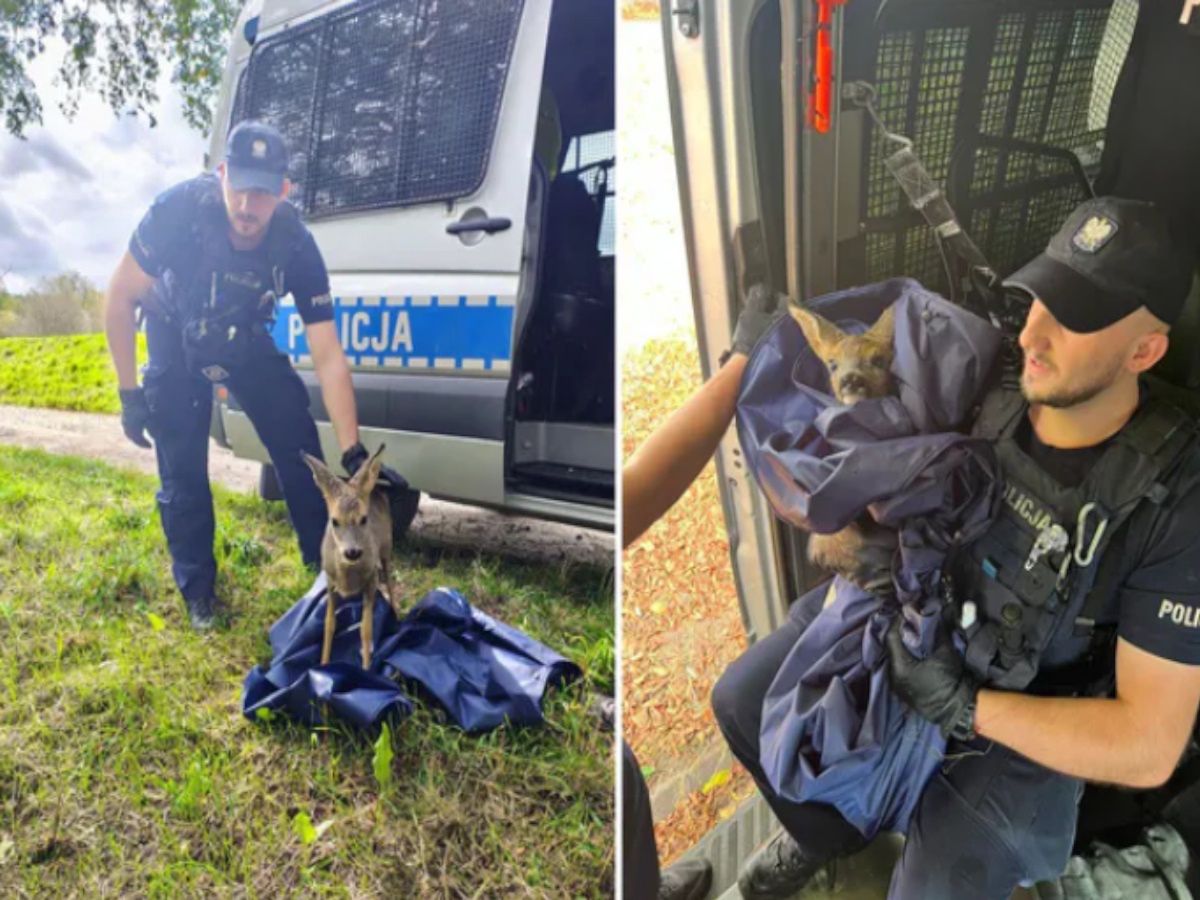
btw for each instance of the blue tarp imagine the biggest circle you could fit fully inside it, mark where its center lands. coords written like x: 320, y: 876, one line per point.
x: 832, y: 730
x: 480, y: 670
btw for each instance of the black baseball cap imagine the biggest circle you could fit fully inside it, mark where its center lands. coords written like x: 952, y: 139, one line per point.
x: 256, y: 157
x: 1111, y: 257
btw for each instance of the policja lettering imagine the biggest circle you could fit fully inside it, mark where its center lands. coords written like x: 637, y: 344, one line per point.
x: 1027, y: 508
x: 1179, y: 613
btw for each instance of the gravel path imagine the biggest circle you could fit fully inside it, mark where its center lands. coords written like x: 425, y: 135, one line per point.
x: 450, y: 524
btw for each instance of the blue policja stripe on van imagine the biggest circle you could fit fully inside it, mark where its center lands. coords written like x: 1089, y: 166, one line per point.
x: 459, y: 331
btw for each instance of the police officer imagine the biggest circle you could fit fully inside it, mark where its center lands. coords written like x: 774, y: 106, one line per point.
x: 206, y: 264
x: 1080, y: 701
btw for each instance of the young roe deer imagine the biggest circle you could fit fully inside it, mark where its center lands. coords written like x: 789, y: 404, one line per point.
x: 356, y: 552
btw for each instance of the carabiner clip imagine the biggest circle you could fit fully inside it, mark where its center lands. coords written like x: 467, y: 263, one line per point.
x: 1083, y: 559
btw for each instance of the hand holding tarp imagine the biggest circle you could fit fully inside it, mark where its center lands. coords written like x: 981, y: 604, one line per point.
x: 763, y: 307
x: 938, y: 687
x: 353, y: 459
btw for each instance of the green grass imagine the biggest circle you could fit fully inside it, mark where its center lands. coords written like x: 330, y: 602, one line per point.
x: 127, y: 769
x: 64, y: 372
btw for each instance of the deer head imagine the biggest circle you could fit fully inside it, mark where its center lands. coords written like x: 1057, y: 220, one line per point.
x: 859, y: 365
x: 349, y: 504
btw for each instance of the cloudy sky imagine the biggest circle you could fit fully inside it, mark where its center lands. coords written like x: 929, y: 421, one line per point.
x: 72, y: 192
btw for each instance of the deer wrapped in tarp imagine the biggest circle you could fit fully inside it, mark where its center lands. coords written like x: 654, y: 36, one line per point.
x: 832, y: 730
x: 481, y: 671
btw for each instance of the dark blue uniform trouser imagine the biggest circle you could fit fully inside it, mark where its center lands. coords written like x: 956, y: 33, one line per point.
x: 640, y: 876
x: 276, y: 402
x: 987, y: 821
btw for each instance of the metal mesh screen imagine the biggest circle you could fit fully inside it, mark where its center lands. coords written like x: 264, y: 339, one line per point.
x: 593, y: 153
x: 279, y: 87
x: 387, y: 103
x: 1036, y: 85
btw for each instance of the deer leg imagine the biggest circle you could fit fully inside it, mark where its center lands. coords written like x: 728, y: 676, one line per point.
x: 368, y: 621
x: 331, y: 599
x: 385, y: 575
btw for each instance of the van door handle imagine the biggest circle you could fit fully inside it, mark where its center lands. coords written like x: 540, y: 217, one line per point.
x: 490, y: 225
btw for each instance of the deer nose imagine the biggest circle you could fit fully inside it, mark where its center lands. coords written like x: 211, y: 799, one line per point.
x: 854, y: 383
x: 352, y: 553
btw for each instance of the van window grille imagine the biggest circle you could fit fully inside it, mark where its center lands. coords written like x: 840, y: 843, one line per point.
x: 593, y: 157
x: 1037, y: 85
x: 386, y: 103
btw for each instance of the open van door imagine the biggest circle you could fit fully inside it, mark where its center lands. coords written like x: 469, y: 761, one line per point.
x: 424, y: 136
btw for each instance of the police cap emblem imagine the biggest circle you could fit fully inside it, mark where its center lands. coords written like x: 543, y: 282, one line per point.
x: 259, y: 149
x: 1093, y: 234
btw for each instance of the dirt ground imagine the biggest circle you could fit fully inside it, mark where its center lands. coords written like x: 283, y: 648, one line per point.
x: 680, y: 621
x: 100, y: 437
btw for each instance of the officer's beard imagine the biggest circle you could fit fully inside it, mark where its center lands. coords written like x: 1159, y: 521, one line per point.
x: 1069, y: 395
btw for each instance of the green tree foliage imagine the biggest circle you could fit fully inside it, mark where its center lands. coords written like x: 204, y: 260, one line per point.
x: 117, y: 49
x: 62, y: 304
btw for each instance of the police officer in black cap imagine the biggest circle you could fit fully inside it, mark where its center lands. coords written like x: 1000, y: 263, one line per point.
x: 1071, y: 652
x: 207, y: 264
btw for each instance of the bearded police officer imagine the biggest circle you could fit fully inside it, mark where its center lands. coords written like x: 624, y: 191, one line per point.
x: 1077, y: 613
x: 207, y: 264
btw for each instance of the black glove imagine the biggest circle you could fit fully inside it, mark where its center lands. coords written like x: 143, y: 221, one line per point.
x: 135, y: 415
x: 353, y: 459
x: 763, y: 307
x: 938, y: 688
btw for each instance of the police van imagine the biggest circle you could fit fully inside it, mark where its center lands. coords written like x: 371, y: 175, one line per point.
x: 784, y: 113
x: 455, y: 164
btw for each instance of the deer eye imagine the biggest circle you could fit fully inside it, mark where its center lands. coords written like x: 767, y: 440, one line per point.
x: 362, y: 521
x: 336, y: 523
x: 879, y: 361
x: 832, y: 365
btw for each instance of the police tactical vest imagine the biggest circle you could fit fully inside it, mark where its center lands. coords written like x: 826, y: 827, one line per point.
x: 1032, y: 579
x: 226, y: 298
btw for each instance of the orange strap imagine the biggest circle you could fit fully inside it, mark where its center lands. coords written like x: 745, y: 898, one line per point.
x: 820, y: 100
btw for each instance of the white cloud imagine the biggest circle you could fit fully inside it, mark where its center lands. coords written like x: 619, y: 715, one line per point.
x: 72, y: 192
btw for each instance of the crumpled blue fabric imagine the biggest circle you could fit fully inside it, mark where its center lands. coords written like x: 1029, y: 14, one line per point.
x: 832, y: 730
x: 480, y: 670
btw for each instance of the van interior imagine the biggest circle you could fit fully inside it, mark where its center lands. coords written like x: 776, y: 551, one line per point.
x: 1019, y: 110
x: 562, y: 394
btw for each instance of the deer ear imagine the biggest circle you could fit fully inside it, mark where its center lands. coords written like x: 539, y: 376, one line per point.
x: 325, y: 479
x: 821, y: 334
x: 884, y: 329
x: 364, y: 479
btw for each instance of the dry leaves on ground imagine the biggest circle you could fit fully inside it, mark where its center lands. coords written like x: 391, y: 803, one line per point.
x: 640, y: 9
x: 680, y: 619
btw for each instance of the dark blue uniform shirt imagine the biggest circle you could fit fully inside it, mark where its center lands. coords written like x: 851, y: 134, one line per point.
x: 1157, y: 606
x: 164, y: 240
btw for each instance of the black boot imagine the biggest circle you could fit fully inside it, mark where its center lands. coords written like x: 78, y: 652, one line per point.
x: 204, y: 612
x: 778, y: 870
x: 688, y: 879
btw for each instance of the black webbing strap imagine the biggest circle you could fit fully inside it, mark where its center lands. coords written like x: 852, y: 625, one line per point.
x: 1166, y: 434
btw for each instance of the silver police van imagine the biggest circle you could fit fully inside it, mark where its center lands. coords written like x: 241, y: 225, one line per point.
x: 455, y: 163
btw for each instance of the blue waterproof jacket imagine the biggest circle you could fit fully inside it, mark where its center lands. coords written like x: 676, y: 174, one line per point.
x: 832, y: 730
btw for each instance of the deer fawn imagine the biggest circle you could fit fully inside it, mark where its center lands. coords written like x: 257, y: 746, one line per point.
x: 356, y: 552
x: 859, y: 369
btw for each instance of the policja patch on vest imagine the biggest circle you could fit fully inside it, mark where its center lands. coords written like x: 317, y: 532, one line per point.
x: 1093, y: 234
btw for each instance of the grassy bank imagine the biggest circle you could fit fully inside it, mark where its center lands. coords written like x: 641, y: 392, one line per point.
x: 63, y: 372
x: 126, y: 768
